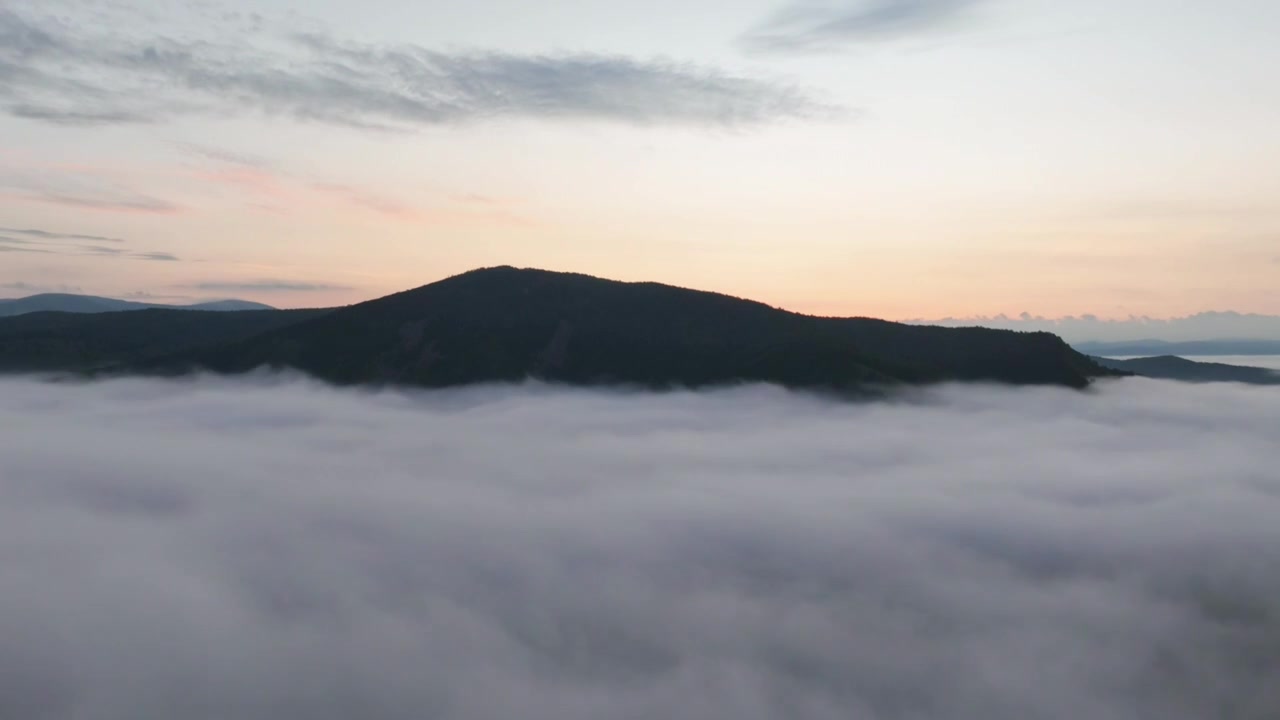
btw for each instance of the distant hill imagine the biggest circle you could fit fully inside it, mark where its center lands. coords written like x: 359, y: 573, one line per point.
x: 61, y: 341
x: 1091, y: 329
x: 61, y: 302
x: 508, y: 324
x: 1169, y: 367
x: 1198, y: 347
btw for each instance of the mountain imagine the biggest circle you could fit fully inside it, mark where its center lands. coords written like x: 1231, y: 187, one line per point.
x: 61, y: 341
x: 1197, y: 347
x: 1170, y: 367
x: 508, y: 324
x: 61, y: 302
x: 1092, y: 329
x: 225, y: 306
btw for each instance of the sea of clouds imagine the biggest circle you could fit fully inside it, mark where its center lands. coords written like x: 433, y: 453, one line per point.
x: 273, y: 548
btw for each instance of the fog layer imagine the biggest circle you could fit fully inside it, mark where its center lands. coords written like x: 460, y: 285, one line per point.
x: 277, y: 549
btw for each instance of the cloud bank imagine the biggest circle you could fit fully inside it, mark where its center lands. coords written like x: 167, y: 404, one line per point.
x: 219, y: 549
x: 57, y: 70
x: 807, y: 26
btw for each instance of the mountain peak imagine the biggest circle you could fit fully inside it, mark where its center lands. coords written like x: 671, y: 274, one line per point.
x: 71, y: 303
x: 507, y: 324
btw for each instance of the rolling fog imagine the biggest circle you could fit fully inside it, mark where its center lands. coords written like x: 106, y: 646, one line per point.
x: 273, y: 548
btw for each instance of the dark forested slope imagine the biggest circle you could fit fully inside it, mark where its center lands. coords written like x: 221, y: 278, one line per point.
x: 505, y: 324
x: 61, y: 341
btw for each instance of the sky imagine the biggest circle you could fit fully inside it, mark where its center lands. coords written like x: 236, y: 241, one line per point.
x: 892, y: 158
x: 272, y: 547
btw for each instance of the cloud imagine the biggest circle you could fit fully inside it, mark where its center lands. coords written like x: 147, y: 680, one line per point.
x: 12, y: 249
x: 265, y: 186
x: 161, y: 256
x: 806, y: 26
x: 264, y: 286
x: 116, y: 252
x: 33, y: 288
x: 134, y: 204
x: 99, y: 250
x: 366, y: 200
x: 150, y: 297
x: 77, y: 117
x: 59, y: 70
x: 53, y: 243
x: 229, y: 157
x: 80, y: 188
x: 277, y: 549
x: 48, y: 235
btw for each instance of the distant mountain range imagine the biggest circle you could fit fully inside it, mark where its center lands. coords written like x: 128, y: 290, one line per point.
x: 60, y: 302
x: 1168, y: 367
x: 1192, y: 348
x: 507, y: 324
x: 1089, y: 329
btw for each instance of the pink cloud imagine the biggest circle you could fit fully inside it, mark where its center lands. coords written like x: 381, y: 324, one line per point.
x: 281, y: 192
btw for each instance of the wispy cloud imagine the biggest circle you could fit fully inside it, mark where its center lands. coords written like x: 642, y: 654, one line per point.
x: 48, y: 235
x: 56, y: 243
x: 116, y: 252
x: 68, y: 72
x: 230, y: 157
x: 76, y: 116
x: 374, y: 202
x: 807, y: 26
x: 5, y: 241
x: 12, y: 249
x: 157, y: 256
x: 264, y: 286
x: 80, y: 188
x: 136, y: 204
x: 32, y: 288
x: 265, y: 185
x: 99, y: 250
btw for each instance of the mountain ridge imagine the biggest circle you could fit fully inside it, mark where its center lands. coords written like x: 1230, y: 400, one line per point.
x: 1172, y: 367
x: 1156, y: 348
x: 502, y: 324
x: 75, y: 303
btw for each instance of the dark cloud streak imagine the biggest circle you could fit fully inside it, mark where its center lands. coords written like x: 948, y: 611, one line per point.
x: 54, y: 243
x: 76, y: 117
x: 134, y: 203
x: 47, y: 235
x: 810, y: 26
x: 10, y: 248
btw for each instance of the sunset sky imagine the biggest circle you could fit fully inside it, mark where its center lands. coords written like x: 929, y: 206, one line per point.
x: 895, y: 158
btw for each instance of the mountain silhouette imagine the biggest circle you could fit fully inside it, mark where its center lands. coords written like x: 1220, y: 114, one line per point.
x: 1159, y: 348
x: 1171, y: 367
x: 66, y: 341
x: 506, y: 324
x: 63, y: 302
